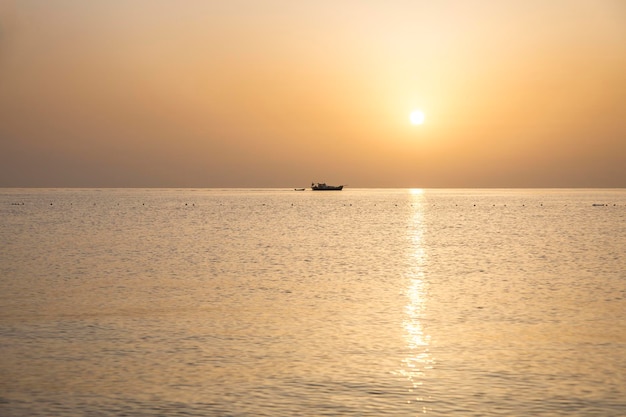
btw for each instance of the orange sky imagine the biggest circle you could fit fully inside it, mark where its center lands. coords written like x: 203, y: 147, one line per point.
x: 240, y: 93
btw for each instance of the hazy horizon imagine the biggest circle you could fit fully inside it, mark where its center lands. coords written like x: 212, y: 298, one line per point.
x: 290, y: 188
x: 276, y: 94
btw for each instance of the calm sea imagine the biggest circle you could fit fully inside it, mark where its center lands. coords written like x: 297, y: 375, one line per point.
x: 274, y: 302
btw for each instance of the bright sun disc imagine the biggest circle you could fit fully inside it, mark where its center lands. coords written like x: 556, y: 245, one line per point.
x: 417, y: 117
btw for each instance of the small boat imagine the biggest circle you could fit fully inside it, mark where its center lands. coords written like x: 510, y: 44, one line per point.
x: 322, y: 186
x: 298, y: 189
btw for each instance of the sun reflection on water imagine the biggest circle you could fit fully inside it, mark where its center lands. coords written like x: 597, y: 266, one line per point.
x: 418, y: 360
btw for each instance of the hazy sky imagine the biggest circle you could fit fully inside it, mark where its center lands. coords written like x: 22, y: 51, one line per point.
x: 273, y: 93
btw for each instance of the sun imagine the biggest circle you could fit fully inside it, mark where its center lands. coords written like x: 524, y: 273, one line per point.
x: 417, y: 117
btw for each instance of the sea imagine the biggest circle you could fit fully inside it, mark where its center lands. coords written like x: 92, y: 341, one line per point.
x: 276, y: 302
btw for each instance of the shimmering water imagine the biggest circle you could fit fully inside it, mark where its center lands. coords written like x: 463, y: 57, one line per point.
x: 277, y: 302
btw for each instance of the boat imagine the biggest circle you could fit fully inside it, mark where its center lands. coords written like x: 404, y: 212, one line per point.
x: 322, y: 186
x: 298, y: 189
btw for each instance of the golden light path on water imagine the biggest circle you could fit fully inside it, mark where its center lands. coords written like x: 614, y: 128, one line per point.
x: 419, y: 360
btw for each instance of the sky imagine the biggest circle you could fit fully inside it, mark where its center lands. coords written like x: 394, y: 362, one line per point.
x: 281, y: 93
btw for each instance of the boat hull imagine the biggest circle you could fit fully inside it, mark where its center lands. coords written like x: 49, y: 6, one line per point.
x: 324, y: 187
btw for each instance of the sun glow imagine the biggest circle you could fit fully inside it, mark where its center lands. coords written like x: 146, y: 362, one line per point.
x: 417, y: 117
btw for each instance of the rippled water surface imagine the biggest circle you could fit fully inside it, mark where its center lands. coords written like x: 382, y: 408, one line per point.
x: 277, y: 302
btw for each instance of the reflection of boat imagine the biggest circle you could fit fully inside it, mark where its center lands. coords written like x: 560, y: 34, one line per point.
x: 321, y: 186
x: 298, y: 189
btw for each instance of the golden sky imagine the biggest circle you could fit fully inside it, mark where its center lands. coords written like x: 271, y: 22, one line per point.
x: 273, y: 93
